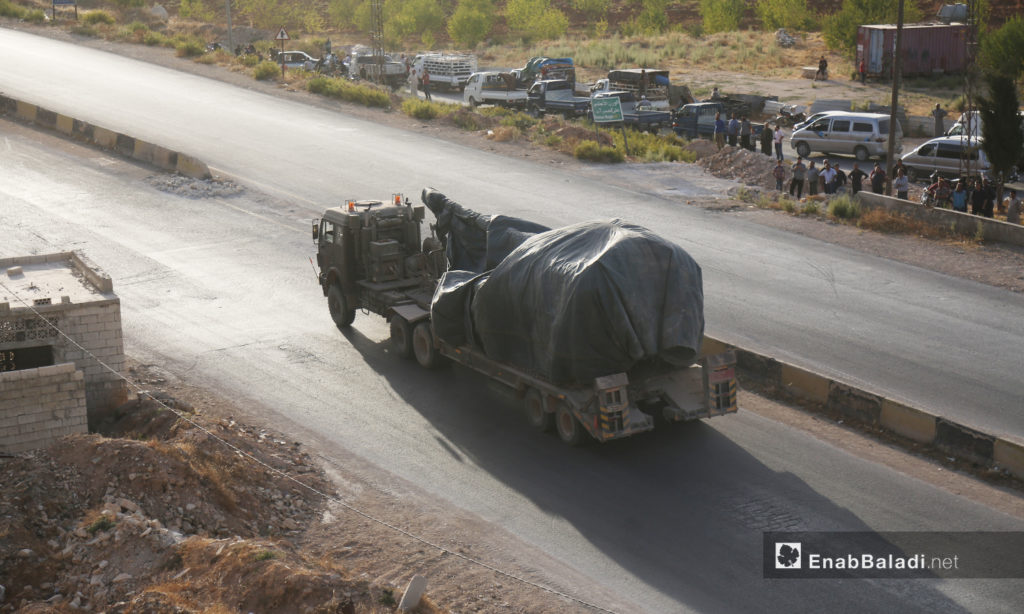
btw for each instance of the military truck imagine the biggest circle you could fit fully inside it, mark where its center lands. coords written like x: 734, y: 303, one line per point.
x: 372, y: 257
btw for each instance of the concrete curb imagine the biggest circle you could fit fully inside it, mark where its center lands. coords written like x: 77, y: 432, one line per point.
x: 866, y: 407
x: 126, y: 145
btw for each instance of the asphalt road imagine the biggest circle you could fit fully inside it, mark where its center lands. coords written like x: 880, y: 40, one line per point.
x: 920, y: 337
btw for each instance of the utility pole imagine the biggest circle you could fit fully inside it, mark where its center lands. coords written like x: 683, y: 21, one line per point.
x: 897, y: 70
x: 231, y: 42
x: 970, y: 89
x: 377, y: 39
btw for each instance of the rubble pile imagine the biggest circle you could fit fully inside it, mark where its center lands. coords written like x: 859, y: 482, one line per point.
x: 784, y: 39
x: 159, y: 516
x: 180, y: 185
x: 746, y: 166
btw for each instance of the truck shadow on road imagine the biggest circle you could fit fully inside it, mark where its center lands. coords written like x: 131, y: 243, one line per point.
x: 682, y: 508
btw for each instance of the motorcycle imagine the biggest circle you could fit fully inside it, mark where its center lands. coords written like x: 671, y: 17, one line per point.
x: 789, y: 116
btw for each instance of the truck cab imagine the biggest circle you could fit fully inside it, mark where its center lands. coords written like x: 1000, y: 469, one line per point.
x: 696, y: 119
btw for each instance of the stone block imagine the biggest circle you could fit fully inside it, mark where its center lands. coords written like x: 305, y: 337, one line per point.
x: 1010, y: 456
x: 106, y: 139
x: 805, y: 384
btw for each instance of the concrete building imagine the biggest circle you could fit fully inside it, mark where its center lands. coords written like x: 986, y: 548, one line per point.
x: 60, y: 348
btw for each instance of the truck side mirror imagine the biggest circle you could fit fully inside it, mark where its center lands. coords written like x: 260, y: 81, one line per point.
x: 316, y: 230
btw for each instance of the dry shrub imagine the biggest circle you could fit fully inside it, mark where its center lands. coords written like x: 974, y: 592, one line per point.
x: 503, y: 134
x: 881, y: 220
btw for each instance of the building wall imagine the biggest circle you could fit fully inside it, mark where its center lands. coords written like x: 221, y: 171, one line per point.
x: 38, y: 406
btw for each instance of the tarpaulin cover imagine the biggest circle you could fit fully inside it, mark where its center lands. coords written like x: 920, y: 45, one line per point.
x: 473, y: 241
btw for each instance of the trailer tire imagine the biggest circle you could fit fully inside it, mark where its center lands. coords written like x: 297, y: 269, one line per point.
x: 423, y: 346
x: 569, y: 428
x: 536, y: 414
x: 401, y: 336
x: 338, y: 306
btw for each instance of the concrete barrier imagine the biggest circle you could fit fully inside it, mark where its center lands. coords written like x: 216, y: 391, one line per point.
x: 964, y: 224
x: 123, y: 144
x: 866, y: 407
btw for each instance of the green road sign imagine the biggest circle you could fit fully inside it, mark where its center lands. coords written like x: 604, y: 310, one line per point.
x: 606, y: 110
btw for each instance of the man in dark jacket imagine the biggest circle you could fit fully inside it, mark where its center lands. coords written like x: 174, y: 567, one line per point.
x: 766, y: 140
x: 877, y: 179
x: 856, y: 177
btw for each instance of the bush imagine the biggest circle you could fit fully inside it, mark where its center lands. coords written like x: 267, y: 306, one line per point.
x: 775, y: 14
x: 266, y: 70
x: 155, y: 38
x: 811, y: 208
x: 535, y: 19
x: 472, y: 22
x: 843, y: 208
x: 420, y: 109
x: 721, y: 15
x: 189, y: 48
x: 9, y: 9
x: 248, y: 60
x: 343, y: 89
x: 591, y: 150
x: 93, y: 18
x: 840, y: 29
x: 35, y: 16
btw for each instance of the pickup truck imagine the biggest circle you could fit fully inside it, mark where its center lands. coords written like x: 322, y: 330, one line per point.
x: 641, y: 82
x: 635, y: 116
x: 493, y: 88
x: 556, y: 96
x: 697, y: 120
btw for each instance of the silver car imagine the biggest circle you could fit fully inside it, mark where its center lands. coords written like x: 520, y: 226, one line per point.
x: 948, y: 156
x: 863, y: 135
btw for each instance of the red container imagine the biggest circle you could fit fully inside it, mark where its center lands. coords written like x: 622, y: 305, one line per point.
x: 928, y: 48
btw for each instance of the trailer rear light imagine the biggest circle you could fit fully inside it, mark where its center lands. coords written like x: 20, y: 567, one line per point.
x: 398, y: 199
x: 351, y: 205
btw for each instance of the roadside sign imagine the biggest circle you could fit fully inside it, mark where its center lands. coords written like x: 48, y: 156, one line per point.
x: 282, y: 35
x: 606, y: 110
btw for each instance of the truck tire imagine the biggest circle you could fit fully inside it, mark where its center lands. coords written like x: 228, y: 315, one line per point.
x: 423, y: 346
x: 569, y: 428
x: 802, y: 149
x: 401, y: 336
x: 340, y: 311
x: 536, y: 414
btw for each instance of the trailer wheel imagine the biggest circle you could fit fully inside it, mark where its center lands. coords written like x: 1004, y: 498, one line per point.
x: 401, y: 336
x: 538, y: 417
x: 569, y: 428
x: 423, y: 346
x: 340, y: 312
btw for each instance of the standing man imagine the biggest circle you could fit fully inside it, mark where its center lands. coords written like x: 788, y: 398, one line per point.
x: 938, y: 113
x: 719, y: 130
x: 877, y: 179
x: 812, y: 179
x: 734, y: 129
x: 828, y: 177
x: 426, y: 83
x: 779, y: 135
x: 779, y: 173
x: 822, y: 69
x: 863, y: 70
x: 766, y: 140
x: 797, y: 183
x: 901, y: 184
x: 856, y: 177
x: 745, y: 133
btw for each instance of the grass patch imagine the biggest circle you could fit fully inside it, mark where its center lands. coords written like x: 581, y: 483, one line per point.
x: 265, y: 70
x: 843, y: 208
x: 426, y: 109
x: 9, y: 9
x: 265, y: 555
x: 343, y: 89
x: 654, y: 148
x: 103, y: 523
x: 84, y: 31
x: 35, y: 16
x: 811, y: 208
x: 98, y: 17
x: 189, y: 48
x: 594, y: 152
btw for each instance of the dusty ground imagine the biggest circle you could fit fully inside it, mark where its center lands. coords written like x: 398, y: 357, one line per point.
x: 188, y: 522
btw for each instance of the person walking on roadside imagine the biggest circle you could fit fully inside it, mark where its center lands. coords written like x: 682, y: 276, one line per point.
x: 766, y: 140
x: 901, y: 184
x: 938, y: 113
x: 779, y: 173
x: 877, y: 178
x: 822, y: 69
x: 779, y: 135
x: 797, y: 183
x: 862, y: 70
x: 856, y: 179
x: 719, y: 131
x: 734, y: 129
x: 426, y: 83
x: 745, y: 134
x: 812, y: 179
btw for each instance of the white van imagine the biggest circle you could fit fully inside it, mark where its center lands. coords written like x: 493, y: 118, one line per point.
x: 863, y: 135
x: 948, y: 156
x: 960, y: 128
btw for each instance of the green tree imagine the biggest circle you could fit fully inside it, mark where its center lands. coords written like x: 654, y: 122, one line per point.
x: 652, y: 18
x: 405, y: 18
x: 343, y: 12
x: 535, y: 19
x: 840, y: 30
x: 1001, y: 126
x: 1002, y: 51
x: 721, y: 15
x: 195, y: 9
x: 789, y: 14
x: 472, y: 22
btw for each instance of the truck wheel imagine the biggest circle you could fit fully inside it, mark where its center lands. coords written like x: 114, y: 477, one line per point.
x: 340, y: 312
x: 423, y: 346
x: 569, y: 428
x: 803, y: 150
x: 401, y: 336
x: 861, y: 153
x: 538, y: 417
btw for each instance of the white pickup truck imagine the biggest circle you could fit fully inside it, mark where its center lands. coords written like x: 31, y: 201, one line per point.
x: 491, y: 88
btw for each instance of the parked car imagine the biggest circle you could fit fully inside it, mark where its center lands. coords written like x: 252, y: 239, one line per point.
x: 948, y: 156
x: 297, y: 59
x: 492, y: 88
x: 863, y: 135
